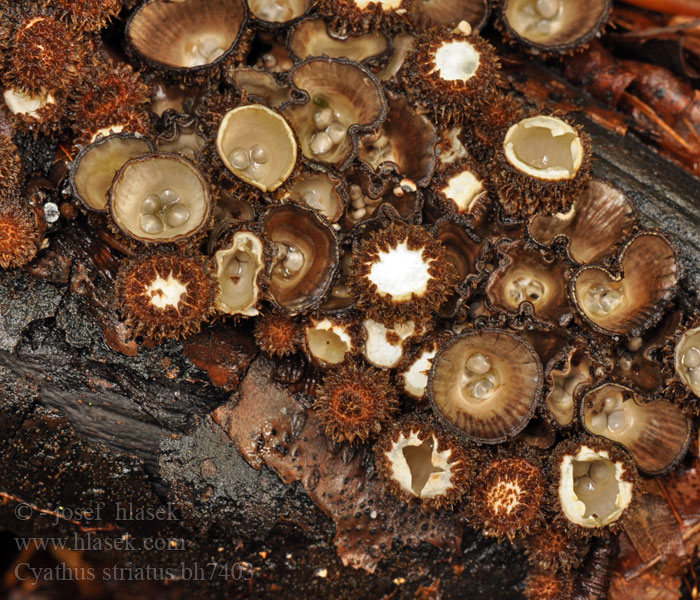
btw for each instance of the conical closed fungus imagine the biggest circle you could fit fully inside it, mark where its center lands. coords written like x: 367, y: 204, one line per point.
x: 21, y: 232
x: 508, y: 497
x: 355, y: 403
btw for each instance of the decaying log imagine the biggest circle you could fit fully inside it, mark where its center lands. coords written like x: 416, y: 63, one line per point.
x: 84, y: 424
